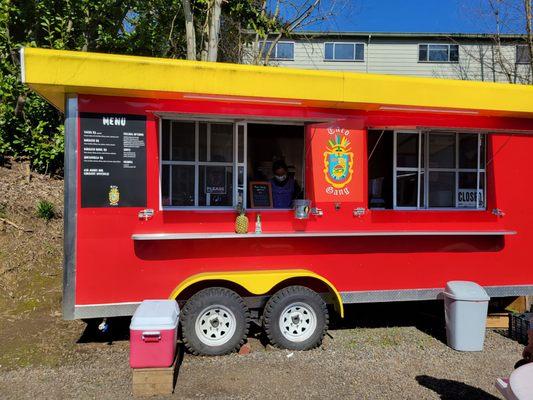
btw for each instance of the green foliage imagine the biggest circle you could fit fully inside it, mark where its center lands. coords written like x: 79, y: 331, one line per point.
x: 30, y: 128
x: 46, y: 210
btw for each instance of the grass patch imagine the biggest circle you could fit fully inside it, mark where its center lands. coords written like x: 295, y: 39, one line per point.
x: 46, y: 210
x: 386, y: 338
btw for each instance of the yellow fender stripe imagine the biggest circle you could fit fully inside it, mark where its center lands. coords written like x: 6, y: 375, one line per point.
x: 258, y: 282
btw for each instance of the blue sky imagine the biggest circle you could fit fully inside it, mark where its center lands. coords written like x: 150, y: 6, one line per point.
x: 446, y: 16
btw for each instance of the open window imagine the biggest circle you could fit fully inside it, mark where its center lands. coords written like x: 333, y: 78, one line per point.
x: 426, y: 170
x: 210, y: 164
x: 271, y: 146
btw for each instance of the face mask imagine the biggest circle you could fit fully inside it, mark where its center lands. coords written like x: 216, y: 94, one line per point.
x: 280, y: 178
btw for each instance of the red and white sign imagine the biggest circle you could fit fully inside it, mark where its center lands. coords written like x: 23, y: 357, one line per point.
x: 335, y: 164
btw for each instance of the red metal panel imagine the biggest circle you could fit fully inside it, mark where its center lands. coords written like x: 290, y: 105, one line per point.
x: 112, y: 268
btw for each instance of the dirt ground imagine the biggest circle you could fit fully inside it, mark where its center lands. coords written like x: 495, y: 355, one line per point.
x: 367, y: 359
x: 381, y: 351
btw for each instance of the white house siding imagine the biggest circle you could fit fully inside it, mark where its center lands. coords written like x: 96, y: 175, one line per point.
x: 309, y: 54
x: 399, y: 56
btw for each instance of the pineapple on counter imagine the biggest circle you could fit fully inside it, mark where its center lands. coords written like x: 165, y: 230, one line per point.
x: 241, y: 222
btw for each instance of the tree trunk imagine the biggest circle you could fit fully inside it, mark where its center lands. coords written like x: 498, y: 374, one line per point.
x: 189, y: 30
x: 205, y: 33
x: 214, y: 30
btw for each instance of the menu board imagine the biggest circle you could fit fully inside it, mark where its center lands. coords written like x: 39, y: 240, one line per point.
x: 113, y: 160
x: 260, y: 195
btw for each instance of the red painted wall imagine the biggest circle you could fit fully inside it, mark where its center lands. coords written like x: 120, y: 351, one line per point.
x: 112, y: 268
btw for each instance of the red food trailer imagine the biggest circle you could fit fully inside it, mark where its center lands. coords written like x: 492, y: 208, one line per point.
x: 409, y: 182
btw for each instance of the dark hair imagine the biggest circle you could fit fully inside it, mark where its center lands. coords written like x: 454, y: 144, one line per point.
x: 279, y: 164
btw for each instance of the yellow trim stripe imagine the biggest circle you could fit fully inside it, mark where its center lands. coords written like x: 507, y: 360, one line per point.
x: 258, y: 282
x: 53, y: 73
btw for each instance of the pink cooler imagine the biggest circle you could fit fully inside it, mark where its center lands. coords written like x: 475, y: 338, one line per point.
x: 153, y: 334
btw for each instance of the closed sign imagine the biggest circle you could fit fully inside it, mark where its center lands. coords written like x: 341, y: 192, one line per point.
x: 469, y: 198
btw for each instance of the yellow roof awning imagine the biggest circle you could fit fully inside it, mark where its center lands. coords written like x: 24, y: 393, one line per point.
x: 55, y: 73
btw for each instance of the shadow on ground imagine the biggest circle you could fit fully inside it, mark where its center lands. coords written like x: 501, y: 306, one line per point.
x: 118, y: 329
x: 448, y: 389
x: 427, y: 316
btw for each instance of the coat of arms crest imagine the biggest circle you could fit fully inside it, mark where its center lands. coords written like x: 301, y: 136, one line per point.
x: 114, y: 195
x: 338, y: 162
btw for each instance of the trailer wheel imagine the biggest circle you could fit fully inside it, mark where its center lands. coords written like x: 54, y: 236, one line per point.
x: 296, y: 318
x: 214, y: 321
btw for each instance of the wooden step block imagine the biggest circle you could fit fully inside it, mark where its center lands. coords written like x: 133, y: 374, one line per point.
x: 498, y: 321
x: 154, y: 381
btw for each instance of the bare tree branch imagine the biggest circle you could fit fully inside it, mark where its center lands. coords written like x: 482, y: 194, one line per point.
x: 529, y: 33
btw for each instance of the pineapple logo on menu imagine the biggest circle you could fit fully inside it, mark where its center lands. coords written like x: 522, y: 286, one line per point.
x: 114, y: 195
x: 338, y: 162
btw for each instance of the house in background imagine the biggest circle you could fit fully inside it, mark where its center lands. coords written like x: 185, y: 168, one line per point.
x: 483, y: 57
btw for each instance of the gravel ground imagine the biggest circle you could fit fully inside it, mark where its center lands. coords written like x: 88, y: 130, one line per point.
x: 361, y: 362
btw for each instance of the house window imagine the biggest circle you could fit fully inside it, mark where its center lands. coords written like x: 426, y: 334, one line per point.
x: 523, y: 56
x: 438, y: 53
x: 430, y: 170
x: 282, y: 51
x: 198, y: 163
x: 342, y: 51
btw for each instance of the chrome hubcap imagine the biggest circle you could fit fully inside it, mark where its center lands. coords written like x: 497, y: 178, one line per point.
x: 215, y: 325
x: 298, y: 322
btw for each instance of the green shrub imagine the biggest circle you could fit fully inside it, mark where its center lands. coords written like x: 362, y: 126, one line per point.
x: 46, y: 210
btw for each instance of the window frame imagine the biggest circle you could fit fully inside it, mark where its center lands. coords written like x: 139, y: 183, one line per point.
x: 528, y: 55
x: 237, y: 123
x: 424, y: 171
x: 449, y: 61
x: 354, y: 59
x: 274, y: 54
x: 197, y: 163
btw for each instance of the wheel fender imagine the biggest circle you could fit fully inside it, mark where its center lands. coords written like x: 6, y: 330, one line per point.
x: 259, y: 282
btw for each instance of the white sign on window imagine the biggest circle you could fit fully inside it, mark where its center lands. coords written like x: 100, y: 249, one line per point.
x: 469, y: 198
x: 215, y: 180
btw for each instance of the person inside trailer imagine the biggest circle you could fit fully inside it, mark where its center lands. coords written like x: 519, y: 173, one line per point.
x: 284, y: 187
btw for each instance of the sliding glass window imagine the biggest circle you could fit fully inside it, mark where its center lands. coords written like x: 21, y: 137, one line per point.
x: 439, y: 170
x: 198, y: 163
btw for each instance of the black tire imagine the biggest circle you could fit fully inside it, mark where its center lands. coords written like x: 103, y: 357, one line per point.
x: 278, y: 303
x: 197, y: 305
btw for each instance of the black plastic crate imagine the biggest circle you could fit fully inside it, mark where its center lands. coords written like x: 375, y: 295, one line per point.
x: 519, y: 325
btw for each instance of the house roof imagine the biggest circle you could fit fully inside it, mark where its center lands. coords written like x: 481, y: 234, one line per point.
x: 54, y: 73
x: 450, y: 36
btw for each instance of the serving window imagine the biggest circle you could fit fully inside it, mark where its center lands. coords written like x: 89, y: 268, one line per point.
x: 211, y: 164
x: 426, y: 170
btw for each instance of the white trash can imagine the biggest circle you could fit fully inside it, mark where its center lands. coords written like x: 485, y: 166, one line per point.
x: 465, y: 305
